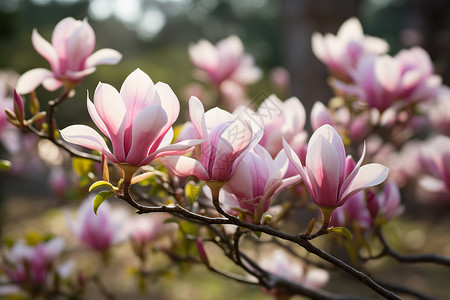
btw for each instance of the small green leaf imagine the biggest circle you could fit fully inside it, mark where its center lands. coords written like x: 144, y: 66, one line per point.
x: 101, y: 183
x: 5, y: 164
x: 342, y: 231
x: 192, y: 191
x: 82, y: 166
x: 102, y: 196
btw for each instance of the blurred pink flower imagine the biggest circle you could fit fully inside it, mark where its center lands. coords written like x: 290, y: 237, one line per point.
x: 138, y: 121
x: 353, y: 212
x: 382, y: 81
x: 386, y: 205
x: 435, y: 159
x: 257, y: 178
x: 329, y: 177
x: 226, y: 60
x: 32, y: 263
x: 320, y: 115
x: 280, y: 78
x: 281, y: 120
x: 341, y: 52
x: 227, y: 139
x: 281, y: 265
x: 70, y: 57
x: 146, y: 228
x: 439, y: 112
x: 101, y: 231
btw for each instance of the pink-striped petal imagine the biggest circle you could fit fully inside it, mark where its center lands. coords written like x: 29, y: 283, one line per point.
x: 52, y: 84
x: 169, y: 101
x: 87, y: 137
x: 368, y: 176
x: 30, y: 80
x: 46, y: 50
x: 323, y: 167
x: 174, y: 149
x: 146, y: 129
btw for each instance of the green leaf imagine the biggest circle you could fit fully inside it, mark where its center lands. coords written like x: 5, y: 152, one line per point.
x: 102, y: 196
x: 192, y: 191
x: 5, y: 164
x: 82, y: 166
x: 101, y: 183
x: 342, y: 231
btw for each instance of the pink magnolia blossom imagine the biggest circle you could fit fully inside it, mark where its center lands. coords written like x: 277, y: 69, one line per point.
x: 353, y: 212
x: 70, y: 57
x: 225, y: 60
x: 328, y: 176
x: 138, y: 121
x: 383, y: 81
x: 341, y: 52
x: 32, y: 263
x: 256, y: 180
x: 439, y: 112
x: 386, y: 205
x: 281, y: 120
x: 146, y: 228
x: 435, y: 159
x: 99, y: 232
x: 227, y: 140
x: 320, y: 115
x: 280, y: 78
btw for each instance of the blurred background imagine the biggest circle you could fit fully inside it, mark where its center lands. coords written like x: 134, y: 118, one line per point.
x: 154, y: 35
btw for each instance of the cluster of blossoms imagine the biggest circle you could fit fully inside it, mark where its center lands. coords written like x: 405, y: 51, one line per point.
x: 245, y: 157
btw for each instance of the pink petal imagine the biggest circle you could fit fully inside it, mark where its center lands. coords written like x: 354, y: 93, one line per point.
x: 30, y: 80
x: 331, y: 135
x: 103, y: 57
x: 216, y: 116
x: 52, y: 84
x: 95, y: 117
x: 197, y: 115
x: 169, y: 101
x: 355, y: 169
x: 110, y: 107
x: 323, y: 167
x: 351, y: 30
x: 295, y: 161
x: 241, y: 183
x: 368, y: 176
x: 87, y: 137
x: 46, y: 50
x: 146, y: 129
x: 79, y: 75
x: 111, y: 110
x: 320, y: 115
x: 79, y: 45
x: 184, y: 166
x: 174, y: 149
x: 388, y: 73
x: 137, y: 92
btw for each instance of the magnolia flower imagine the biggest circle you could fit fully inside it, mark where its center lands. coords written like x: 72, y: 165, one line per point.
x: 256, y: 180
x: 353, y: 212
x: 101, y: 231
x: 320, y: 115
x: 329, y: 176
x: 341, y: 52
x: 138, y: 121
x: 227, y: 139
x: 280, y: 78
x: 70, y: 57
x: 226, y: 60
x: 281, y: 120
x: 435, y: 159
x: 386, y: 205
x: 439, y: 112
x: 32, y: 263
x: 382, y: 81
x: 146, y: 228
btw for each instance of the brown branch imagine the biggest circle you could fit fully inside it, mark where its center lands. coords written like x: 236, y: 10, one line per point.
x: 418, y: 258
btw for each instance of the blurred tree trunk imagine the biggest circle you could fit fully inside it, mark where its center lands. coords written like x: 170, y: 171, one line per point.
x: 299, y: 20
